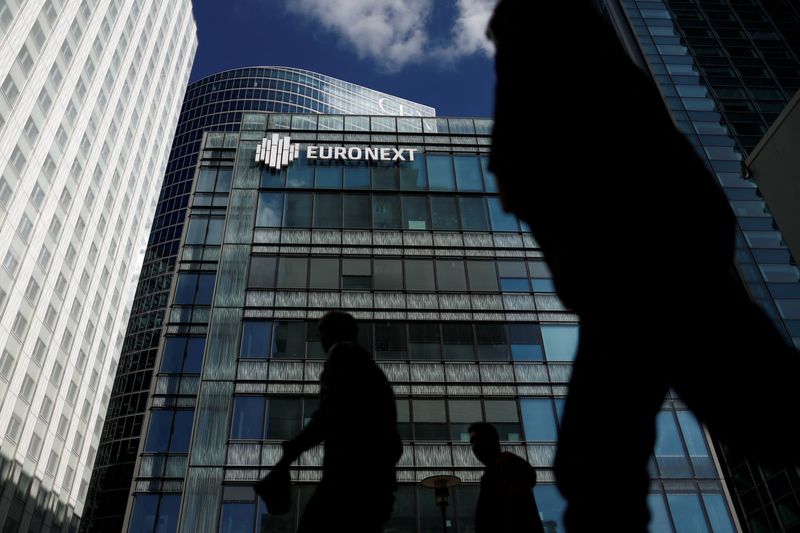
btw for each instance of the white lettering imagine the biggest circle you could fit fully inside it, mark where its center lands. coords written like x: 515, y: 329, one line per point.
x: 354, y: 153
x: 311, y: 152
x: 411, y: 152
x: 371, y: 154
x: 340, y: 152
x: 325, y: 152
x: 385, y: 154
x: 398, y: 155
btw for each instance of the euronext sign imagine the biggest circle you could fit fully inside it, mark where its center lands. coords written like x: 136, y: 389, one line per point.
x: 279, y: 152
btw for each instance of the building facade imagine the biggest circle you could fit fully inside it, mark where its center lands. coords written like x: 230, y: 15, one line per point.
x: 216, y: 103
x: 88, y: 91
x: 726, y: 69
x: 453, y: 298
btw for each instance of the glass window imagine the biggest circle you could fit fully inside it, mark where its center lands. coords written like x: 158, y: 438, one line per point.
x: 196, y: 233
x: 289, y: 340
x: 356, y: 211
x: 356, y: 274
x: 159, y: 430
x: 185, y: 289
x: 551, y: 506
x: 328, y: 210
x: 513, y: 276
x: 237, y: 517
x: 430, y: 420
x: 463, y: 413
x: 659, y: 519
x: 503, y: 415
x: 298, y: 210
x: 415, y: 213
x: 270, y: 208
x: 388, y: 274
x: 488, y: 177
x: 182, y: 431
x: 419, y: 275
x: 492, y: 345
x: 560, y: 341
x: 669, y: 450
x: 473, y: 214
x: 444, y: 213
x: 224, y: 180
x: 384, y: 175
x: 424, y: 341
x: 313, y: 345
x: 143, y: 515
x: 301, y: 172
x: 205, y: 179
x: 324, y: 273
x: 501, y: 221
x: 262, y: 271
x: 356, y: 175
x: 390, y: 340
x: 538, y: 419
x: 468, y: 173
x: 172, y: 357
x: 525, y: 342
x: 255, y: 338
x: 216, y: 226
x: 193, y: 361
x: 458, y: 342
x: 283, y: 418
x: 687, y: 515
x: 248, y: 417
x: 440, y: 173
x: 273, y: 179
x: 205, y: 289
x: 450, y: 275
x: 292, y: 272
x: 482, y: 276
x: 329, y: 175
x: 386, y: 212
x: 413, y: 174
x: 718, y: 513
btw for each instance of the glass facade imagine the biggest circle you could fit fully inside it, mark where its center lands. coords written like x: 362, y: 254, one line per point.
x: 217, y: 103
x: 453, y: 299
x: 726, y: 69
x: 89, y: 89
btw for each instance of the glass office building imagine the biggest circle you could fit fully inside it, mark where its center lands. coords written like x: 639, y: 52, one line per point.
x: 89, y: 90
x: 217, y: 103
x: 453, y: 298
x: 726, y: 69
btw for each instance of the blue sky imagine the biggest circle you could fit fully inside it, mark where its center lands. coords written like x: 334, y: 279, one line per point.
x: 429, y: 51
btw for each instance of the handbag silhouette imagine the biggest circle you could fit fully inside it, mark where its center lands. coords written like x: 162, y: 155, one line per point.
x: 276, y: 490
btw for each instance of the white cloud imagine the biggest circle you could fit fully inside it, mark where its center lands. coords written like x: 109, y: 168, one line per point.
x: 395, y: 33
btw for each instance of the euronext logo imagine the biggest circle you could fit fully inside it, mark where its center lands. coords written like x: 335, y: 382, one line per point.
x: 277, y: 152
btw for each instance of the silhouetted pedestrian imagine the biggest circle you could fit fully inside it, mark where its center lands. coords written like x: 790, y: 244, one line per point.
x: 357, y: 421
x: 640, y: 241
x: 506, y: 503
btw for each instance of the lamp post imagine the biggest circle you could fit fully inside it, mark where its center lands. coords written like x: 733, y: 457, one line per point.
x: 441, y: 486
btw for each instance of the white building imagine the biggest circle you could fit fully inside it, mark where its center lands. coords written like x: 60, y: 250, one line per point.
x: 90, y: 92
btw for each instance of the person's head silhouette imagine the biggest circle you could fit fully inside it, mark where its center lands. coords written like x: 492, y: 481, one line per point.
x: 336, y: 326
x: 485, y: 442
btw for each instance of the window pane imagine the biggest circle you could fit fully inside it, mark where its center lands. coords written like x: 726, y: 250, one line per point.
x: 390, y: 341
x: 560, y: 342
x: 270, y: 207
x: 440, y: 173
x: 444, y: 213
x: 424, y: 341
x: 298, y: 210
x: 283, y: 418
x: 501, y: 221
x: 538, y: 419
x: 384, y: 175
x: 172, y: 358
x: 473, y: 214
x: 273, y: 179
x: 525, y: 342
x: 413, y: 174
x: 329, y: 175
x: 216, y: 226
x: 182, y: 432
x: 324, y: 273
x: 551, y: 506
x: 686, y: 513
x: 237, y: 518
x: 415, y: 213
x: 255, y: 338
x: 492, y: 345
x: 289, y: 340
x: 185, y: 289
x: 356, y: 176
x: 356, y: 274
x: 301, y: 172
x: 196, y: 233
x: 159, y: 431
x: 224, y: 180
x: 482, y: 276
x: 205, y: 289
x: 669, y: 449
x: 357, y: 210
x: 328, y: 210
x: 450, y: 275
x: 292, y: 273
x: 458, y: 342
x: 488, y: 177
x: 468, y: 173
x: 313, y: 345
x: 262, y: 272
x: 193, y: 361
x: 659, y: 519
x: 718, y: 513
x: 388, y: 274
x: 419, y: 275
x: 143, y: 516
x: 248, y: 417
x: 386, y: 212
x: 168, y: 514
x: 205, y: 180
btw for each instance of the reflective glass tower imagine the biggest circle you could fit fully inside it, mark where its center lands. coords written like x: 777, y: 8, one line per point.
x: 726, y: 69
x: 215, y: 103
x: 89, y: 90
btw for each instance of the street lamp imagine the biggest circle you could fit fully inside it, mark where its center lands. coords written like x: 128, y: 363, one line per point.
x: 441, y: 485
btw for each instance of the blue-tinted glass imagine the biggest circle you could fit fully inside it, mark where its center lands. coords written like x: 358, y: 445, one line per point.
x: 205, y: 289
x: 413, y: 174
x: 659, y: 519
x: 444, y: 213
x: 718, y: 513
x: 329, y: 176
x: 270, y: 209
x: 194, y: 355
x: 514, y: 285
x: 468, y: 173
x: 168, y: 513
x: 182, y: 431
x: 559, y: 408
x: 298, y: 210
x: 196, y: 233
x: 237, y: 518
x: 501, y: 221
x: 687, y: 515
x: 538, y: 419
x: 172, y: 358
x: 696, y: 445
x: 488, y: 177
x: 185, y: 289
x: 386, y: 212
x: 384, y: 175
x: 669, y: 449
x: 159, y: 431
x: 560, y: 342
x: 415, y: 213
x: 224, y: 180
x: 440, y: 173
x: 356, y: 176
x: 143, y: 516
x: 473, y: 214
x: 551, y: 507
x: 273, y: 179
x: 256, y: 339
x: 301, y: 172
x: 205, y: 180
x: 544, y: 285
x: 248, y: 417
x: 215, y: 228
x: 525, y: 343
